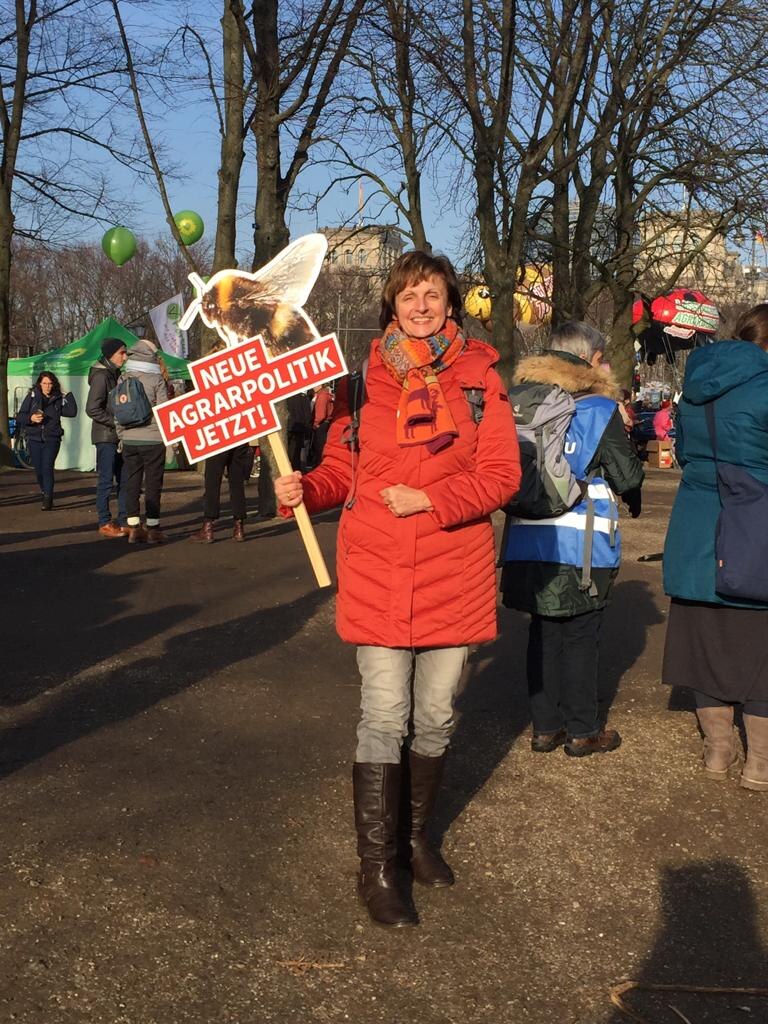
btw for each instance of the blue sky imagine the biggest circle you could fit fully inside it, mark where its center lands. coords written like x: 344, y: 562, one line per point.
x: 187, y: 132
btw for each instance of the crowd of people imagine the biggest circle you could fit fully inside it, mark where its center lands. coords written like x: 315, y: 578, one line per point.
x: 418, y: 455
x: 131, y: 457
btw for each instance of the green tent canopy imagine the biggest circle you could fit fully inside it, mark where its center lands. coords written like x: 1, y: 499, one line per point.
x: 71, y: 364
x: 76, y: 358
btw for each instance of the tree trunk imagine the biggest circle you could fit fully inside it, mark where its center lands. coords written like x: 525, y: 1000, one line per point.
x: 621, y: 349
x: 506, y: 337
x: 400, y: 19
x: 11, y: 137
x: 6, y: 236
x: 232, y: 152
x: 621, y: 352
x: 562, y: 305
x: 413, y: 185
x: 270, y: 232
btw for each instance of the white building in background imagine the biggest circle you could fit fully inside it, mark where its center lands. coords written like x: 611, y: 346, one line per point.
x: 370, y: 250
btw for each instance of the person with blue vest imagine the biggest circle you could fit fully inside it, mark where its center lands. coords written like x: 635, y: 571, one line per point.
x: 718, y: 646
x: 561, y: 569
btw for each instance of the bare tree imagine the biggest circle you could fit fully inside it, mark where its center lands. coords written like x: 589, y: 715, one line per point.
x: 295, y: 52
x: 346, y: 300
x: 57, y: 87
x: 392, y: 121
x: 222, y: 79
x: 656, y: 119
x: 515, y: 77
x: 82, y: 288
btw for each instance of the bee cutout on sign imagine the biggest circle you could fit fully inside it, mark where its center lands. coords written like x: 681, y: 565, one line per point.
x: 273, y: 351
x: 267, y: 303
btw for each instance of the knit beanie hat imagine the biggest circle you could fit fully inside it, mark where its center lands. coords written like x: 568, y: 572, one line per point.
x: 111, y: 345
x: 145, y: 350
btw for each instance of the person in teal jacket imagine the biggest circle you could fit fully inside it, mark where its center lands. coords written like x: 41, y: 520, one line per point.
x: 716, y: 647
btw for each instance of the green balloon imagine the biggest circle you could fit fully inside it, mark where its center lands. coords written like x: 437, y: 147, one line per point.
x: 119, y: 244
x: 190, y: 225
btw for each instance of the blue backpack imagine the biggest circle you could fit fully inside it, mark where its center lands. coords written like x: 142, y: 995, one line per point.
x: 741, y: 542
x: 128, y: 403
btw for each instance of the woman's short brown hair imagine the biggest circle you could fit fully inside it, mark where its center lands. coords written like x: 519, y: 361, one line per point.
x: 413, y: 268
x: 753, y: 325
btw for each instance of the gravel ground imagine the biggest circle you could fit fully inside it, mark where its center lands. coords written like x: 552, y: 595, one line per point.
x: 177, y: 726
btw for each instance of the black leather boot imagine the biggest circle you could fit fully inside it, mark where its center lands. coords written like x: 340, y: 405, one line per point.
x: 47, y: 502
x: 427, y: 864
x: 376, y: 789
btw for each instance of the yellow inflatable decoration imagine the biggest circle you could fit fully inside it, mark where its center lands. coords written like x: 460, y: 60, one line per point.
x: 533, y: 299
x: 478, y: 302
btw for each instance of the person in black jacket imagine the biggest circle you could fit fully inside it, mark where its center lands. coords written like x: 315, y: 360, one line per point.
x: 40, y: 418
x: 102, y: 377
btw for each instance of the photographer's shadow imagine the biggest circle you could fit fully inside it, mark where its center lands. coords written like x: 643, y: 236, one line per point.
x: 708, y: 938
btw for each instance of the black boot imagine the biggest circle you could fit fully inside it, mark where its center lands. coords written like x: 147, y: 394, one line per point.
x: 47, y: 502
x: 376, y: 789
x: 427, y: 865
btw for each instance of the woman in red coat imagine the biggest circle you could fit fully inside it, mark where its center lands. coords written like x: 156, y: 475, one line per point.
x: 436, y: 455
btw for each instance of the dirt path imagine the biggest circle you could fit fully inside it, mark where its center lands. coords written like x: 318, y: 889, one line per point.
x: 177, y: 727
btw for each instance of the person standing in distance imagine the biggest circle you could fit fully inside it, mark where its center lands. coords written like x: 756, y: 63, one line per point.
x: 143, y: 447
x: 102, y: 378
x: 40, y: 417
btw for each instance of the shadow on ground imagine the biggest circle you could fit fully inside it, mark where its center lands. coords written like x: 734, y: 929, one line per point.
x: 493, y: 707
x: 106, y: 697
x: 708, y: 938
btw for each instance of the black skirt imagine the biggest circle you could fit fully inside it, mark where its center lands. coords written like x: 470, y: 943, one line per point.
x: 719, y: 650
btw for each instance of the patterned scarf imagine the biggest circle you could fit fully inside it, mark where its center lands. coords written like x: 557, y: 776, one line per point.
x: 423, y: 416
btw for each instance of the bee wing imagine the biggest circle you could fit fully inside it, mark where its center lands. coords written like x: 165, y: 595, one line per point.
x: 291, y: 275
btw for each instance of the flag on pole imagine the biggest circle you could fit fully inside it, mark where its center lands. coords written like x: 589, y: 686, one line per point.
x: 165, y: 320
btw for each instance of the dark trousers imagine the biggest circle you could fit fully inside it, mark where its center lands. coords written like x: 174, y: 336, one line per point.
x: 43, y: 455
x: 144, y: 463
x: 758, y: 708
x: 267, y: 500
x: 297, y: 445
x: 109, y: 466
x: 563, y: 656
x: 240, y: 462
x: 319, y: 437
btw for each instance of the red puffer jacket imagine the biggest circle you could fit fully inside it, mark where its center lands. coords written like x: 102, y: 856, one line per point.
x: 426, y: 580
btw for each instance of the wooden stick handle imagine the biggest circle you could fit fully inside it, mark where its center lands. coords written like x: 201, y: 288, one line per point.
x: 302, y: 516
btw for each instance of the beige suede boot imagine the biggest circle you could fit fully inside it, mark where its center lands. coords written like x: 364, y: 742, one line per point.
x: 755, y: 773
x: 719, y: 752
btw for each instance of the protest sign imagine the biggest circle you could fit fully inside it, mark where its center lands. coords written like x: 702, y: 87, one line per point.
x: 274, y: 351
x: 235, y: 391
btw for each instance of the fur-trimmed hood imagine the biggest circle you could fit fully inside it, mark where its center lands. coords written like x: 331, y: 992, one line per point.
x: 575, y: 377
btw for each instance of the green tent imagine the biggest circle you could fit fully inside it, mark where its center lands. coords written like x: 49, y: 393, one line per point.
x: 71, y: 364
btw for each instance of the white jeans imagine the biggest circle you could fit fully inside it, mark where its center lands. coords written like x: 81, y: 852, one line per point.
x: 404, y: 682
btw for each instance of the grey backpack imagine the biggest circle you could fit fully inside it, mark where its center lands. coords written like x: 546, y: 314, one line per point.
x: 548, y: 488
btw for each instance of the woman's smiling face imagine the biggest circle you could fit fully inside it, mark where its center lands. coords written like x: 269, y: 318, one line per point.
x: 423, y: 308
